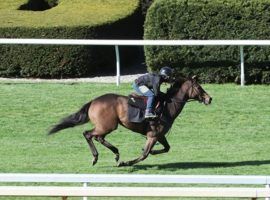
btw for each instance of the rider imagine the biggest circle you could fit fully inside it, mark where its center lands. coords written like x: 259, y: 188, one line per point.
x: 149, y: 85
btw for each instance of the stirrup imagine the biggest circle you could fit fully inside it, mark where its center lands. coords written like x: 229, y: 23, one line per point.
x: 150, y: 115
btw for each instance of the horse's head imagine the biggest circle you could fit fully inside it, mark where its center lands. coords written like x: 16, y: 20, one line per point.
x: 195, y: 91
x: 186, y: 89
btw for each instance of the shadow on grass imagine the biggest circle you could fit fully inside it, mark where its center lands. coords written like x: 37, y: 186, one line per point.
x: 202, y: 165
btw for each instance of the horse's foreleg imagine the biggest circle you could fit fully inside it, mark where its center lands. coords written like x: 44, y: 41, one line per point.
x: 162, y: 140
x: 101, y: 140
x: 88, y: 136
x: 148, y: 146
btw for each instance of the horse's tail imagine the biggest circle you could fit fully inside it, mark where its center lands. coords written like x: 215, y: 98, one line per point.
x: 78, y: 118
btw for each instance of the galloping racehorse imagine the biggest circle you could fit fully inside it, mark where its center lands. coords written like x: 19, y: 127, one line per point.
x: 109, y: 110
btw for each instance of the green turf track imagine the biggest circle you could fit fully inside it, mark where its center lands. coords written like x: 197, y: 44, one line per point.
x: 231, y: 136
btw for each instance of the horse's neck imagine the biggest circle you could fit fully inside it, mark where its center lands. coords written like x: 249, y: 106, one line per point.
x: 176, y: 105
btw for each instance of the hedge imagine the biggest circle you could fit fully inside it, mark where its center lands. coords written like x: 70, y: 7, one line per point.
x: 107, y: 21
x: 206, y: 20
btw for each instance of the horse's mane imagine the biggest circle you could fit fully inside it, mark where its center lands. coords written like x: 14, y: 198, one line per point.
x: 177, y: 83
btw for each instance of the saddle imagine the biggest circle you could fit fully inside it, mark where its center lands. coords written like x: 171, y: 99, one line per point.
x: 137, y: 101
x: 137, y: 105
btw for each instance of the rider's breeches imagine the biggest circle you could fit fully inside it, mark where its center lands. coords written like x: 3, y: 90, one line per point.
x: 145, y: 91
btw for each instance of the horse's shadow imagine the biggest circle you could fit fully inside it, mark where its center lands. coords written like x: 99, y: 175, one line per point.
x: 200, y: 165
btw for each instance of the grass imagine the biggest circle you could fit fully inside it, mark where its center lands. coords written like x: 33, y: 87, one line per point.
x: 231, y: 136
x: 228, y: 137
x: 66, y: 13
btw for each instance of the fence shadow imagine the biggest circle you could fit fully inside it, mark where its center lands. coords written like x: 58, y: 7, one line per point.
x: 200, y: 165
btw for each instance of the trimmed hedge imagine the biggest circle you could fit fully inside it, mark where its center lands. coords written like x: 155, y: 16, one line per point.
x: 67, y: 61
x: 206, y: 20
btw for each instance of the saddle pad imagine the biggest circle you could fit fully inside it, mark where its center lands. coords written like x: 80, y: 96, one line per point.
x: 135, y: 114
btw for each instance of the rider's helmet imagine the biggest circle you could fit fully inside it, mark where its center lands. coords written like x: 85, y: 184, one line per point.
x: 166, y: 73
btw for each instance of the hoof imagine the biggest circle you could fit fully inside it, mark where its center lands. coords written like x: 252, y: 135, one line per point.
x: 122, y: 164
x: 95, y: 159
x: 117, y: 157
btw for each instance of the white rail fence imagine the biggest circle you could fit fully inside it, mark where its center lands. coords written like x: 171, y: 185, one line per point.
x: 117, y: 43
x: 118, y: 191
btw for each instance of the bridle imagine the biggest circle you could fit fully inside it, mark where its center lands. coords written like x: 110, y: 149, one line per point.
x: 176, y: 100
x: 195, y: 89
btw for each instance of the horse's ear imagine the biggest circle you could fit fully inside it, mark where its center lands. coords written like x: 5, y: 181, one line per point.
x: 195, y: 78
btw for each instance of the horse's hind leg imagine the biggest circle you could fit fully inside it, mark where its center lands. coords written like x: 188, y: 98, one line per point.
x: 88, y: 136
x: 101, y: 140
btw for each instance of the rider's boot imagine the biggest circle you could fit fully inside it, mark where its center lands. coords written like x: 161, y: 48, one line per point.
x: 149, y: 114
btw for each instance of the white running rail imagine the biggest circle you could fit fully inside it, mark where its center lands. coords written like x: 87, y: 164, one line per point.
x: 116, y: 43
x: 88, y: 190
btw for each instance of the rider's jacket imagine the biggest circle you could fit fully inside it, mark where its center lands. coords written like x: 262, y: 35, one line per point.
x: 152, y: 81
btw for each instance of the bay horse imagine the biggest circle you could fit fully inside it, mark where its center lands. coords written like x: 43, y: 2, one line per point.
x: 106, y: 112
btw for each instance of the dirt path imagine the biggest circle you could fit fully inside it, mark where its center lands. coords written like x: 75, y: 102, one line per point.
x: 98, y: 79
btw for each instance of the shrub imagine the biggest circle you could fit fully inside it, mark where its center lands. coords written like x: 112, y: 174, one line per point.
x: 206, y: 20
x: 63, y: 22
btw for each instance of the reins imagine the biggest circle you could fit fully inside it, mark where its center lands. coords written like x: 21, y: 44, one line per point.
x: 180, y: 101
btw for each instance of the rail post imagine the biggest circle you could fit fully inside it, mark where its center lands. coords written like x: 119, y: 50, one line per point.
x: 84, y: 185
x: 242, y: 66
x: 267, y: 186
x: 117, y: 65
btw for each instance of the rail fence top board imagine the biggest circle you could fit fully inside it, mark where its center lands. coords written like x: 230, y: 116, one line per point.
x: 135, y: 42
x: 139, y: 178
x: 134, y: 191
